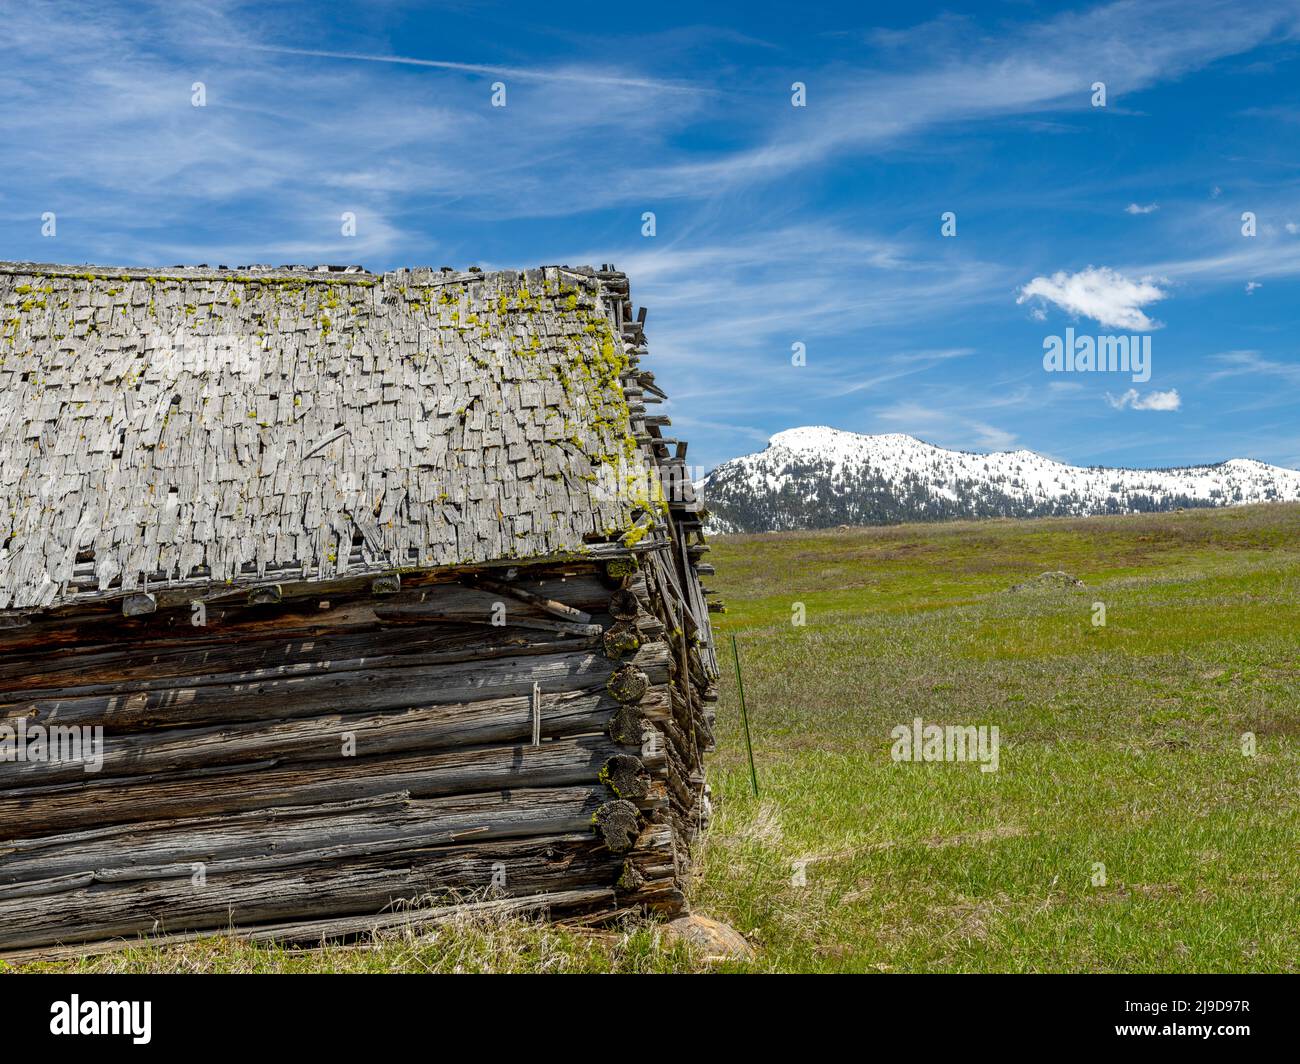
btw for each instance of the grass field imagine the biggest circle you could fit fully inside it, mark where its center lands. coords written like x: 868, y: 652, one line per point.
x: 1121, y: 746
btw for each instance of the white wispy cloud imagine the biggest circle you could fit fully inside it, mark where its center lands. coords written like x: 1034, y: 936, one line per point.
x: 944, y: 427
x: 737, y: 289
x: 904, y: 365
x: 297, y: 134
x: 1100, y: 293
x: 577, y: 76
x: 1230, y: 261
x: 1039, y: 67
x: 1137, y: 208
x: 1132, y: 400
x: 1253, y: 364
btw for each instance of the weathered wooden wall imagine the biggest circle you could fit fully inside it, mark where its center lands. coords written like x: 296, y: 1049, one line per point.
x: 341, y: 751
x: 319, y: 752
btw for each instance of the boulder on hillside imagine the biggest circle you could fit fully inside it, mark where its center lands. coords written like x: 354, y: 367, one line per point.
x: 1054, y: 581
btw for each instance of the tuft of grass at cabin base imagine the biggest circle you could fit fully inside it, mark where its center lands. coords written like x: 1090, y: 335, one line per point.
x: 1124, y: 831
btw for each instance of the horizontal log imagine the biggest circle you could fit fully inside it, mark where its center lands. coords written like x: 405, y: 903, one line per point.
x: 270, y: 839
x: 322, y: 738
x: 132, y: 665
x: 369, y: 886
x: 376, y: 651
x: 104, y: 627
x: 175, y: 647
x: 348, y: 691
x: 434, y: 614
x: 561, y: 610
x: 32, y: 811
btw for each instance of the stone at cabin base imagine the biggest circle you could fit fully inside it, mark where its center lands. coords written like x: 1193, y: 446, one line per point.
x: 714, y: 939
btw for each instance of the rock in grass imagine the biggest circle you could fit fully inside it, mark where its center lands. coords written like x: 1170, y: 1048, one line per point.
x: 1050, y: 582
x: 715, y: 940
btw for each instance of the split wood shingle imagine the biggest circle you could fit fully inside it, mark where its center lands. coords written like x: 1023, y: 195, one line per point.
x: 158, y: 425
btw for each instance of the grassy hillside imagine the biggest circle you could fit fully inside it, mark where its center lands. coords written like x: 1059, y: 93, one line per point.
x: 1120, y: 746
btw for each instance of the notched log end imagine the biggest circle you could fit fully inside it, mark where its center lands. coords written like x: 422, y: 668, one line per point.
x: 617, y: 823
x: 626, y: 776
x: 631, y: 879
x: 621, y: 639
x: 624, y: 725
x: 624, y: 605
x: 628, y: 683
x: 620, y: 568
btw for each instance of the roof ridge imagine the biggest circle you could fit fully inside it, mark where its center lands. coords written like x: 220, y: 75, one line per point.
x: 320, y: 273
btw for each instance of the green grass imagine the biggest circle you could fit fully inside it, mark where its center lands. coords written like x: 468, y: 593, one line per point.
x: 1120, y: 746
x: 470, y: 945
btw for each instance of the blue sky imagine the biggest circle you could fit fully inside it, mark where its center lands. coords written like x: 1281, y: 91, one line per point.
x: 774, y: 224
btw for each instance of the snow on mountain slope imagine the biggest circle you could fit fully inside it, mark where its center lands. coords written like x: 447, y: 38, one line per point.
x: 815, y: 477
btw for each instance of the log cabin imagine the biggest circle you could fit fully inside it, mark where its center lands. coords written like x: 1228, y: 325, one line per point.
x: 367, y: 598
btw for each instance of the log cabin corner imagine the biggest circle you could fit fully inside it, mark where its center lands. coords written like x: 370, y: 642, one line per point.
x: 362, y: 589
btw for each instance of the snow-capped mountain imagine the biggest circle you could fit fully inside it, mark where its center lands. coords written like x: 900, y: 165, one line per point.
x: 816, y: 477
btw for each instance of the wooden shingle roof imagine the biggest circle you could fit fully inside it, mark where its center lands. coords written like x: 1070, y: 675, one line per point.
x: 224, y: 426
